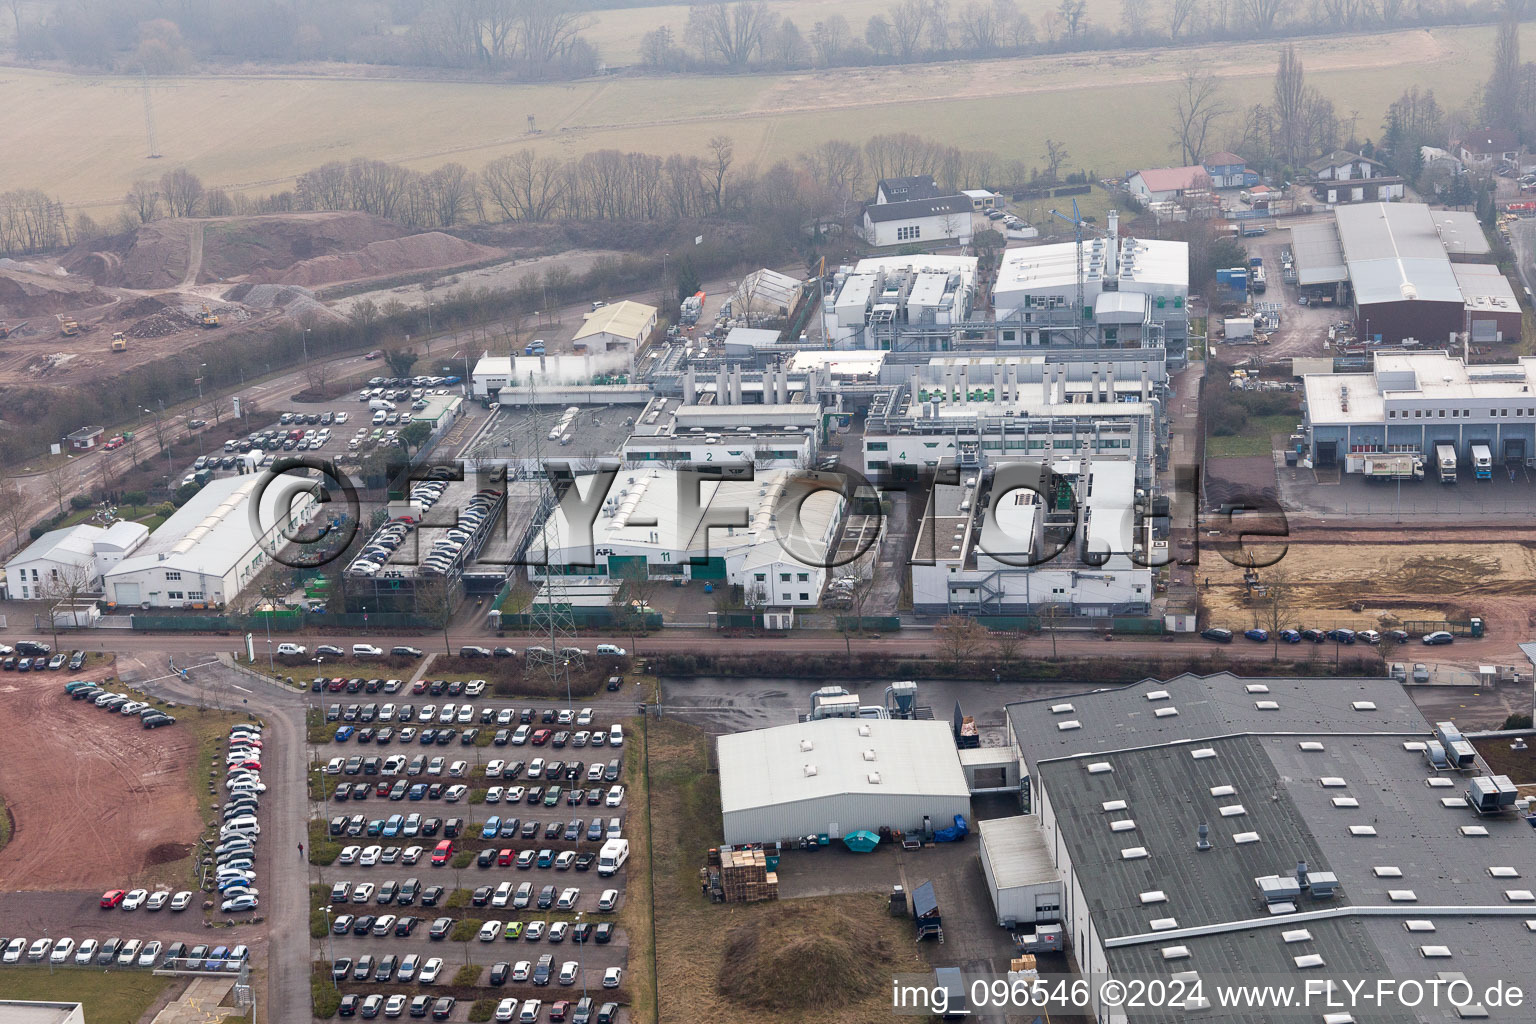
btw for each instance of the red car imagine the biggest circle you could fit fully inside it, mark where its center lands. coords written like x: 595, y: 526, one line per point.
x: 540, y: 737
x: 336, y: 685
x: 504, y: 858
x: 419, y: 686
x: 440, y: 856
x: 559, y: 1009
x: 112, y: 898
x: 114, y: 443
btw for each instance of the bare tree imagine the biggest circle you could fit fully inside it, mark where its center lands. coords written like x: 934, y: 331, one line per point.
x: 524, y: 185
x: 1197, y: 107
x: 1278, y: 609
x: 1501, y: 98
x: 13, y: 513
x: 877, y: 34
x: 733, y: 32
x: 317, y: 376
x: 1072, y: 14
x: 1290, y: 90
x: 1007, y: 644
x: 829, y: 38
x: 144, y: 199
x: 860, y: 589
x: 68, y: 586
x: 57, y: 477
x: 1055, y: 156
x: 1261, y: 14
x: 183, y: 192
x: 959, y: 638
x: 1133, y: 15
x: 722, y: 152
x: 909, y: 19
x: 365, y: 317
x: 1180, y: 16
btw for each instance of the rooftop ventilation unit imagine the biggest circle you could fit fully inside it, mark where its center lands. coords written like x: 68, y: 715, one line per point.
x: 1277, y: 889
x: 806, y: 745
x: 810, y: 770
x: 1491, y: 794
x: 1203, y: 842
x: 869, y: 755
x: 874, y: 778
x: 1322, y: 884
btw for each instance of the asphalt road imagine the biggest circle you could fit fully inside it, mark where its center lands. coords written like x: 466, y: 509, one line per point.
x: 282, y: 872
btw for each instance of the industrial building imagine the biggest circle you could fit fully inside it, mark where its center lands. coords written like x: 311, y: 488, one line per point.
x: 1286, y: 829
x: 901, y: 302
x: 1059, y: 536
x: 1020, y: 873
x: 620, y: 327
x: 23, y: 1011
x: 833, y: 776
x: 765, y: 295
x: 763, y: 532
x: 777, y: 435
x: 1490, y: 310
x: 587, y: 379
x: 1413, y: 402
x: 1399, y: 274
x: 1134, y: 294
x: 973, y: 411
x: 63, y: 559
x: 211, y: 547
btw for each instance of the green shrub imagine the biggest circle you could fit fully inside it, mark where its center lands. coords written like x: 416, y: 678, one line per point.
x: 323, y: 995
x: 466, y: 929
x: 165, y: 508
x: 80, y: 502
x: 135, y: 497
x: 464, y: 858
x: 319, y: 924
x: 468, y: 976
x: 482, y: 1009
x: 457, y: 900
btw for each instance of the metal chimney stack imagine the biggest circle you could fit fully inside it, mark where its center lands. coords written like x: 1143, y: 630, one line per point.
x: 1109, y: 383
x: 736, y: 384
x: 1146, y: 384
x: 690, y: 387
x: 965, y: 384
x: 722, y: 388
x: 1112, y: 247
x: 783, y: 384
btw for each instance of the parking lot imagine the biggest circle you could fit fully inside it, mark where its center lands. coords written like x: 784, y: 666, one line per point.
x: 482, y: 853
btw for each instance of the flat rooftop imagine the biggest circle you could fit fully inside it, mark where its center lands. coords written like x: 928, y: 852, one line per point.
x: 1426, y: 376
x: 1281, y: 771
x: 1461, y: 233
x: 1018, y: 850
x: 19, y: 1011
x: 1319, y: 256
x: 600, y: 430
x: 1485, y: 289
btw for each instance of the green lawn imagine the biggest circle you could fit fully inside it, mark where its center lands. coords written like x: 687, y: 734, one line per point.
x: 1257, y: 437
x: 117, y: 997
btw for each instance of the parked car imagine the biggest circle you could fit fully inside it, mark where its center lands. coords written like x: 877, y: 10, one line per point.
x: 1438, y: 637
x: 1221, y: 636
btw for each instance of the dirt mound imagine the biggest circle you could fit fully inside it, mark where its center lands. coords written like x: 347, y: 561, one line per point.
x: 263, y: 246
x: 25, y: 295
x: 160, y: 254
x: 166, y: 853
x: 777, y: 963
x: 378, y: 259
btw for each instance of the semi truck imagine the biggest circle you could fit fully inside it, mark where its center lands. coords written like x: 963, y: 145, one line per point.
x: 1445, y: 462
x: 1482, y: 462
x: 1394, y: 467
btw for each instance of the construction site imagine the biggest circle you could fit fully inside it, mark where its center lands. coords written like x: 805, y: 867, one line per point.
x: 130, y: 299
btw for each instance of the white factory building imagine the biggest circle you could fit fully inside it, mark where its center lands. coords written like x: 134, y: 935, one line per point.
x: 890, y: 302
x: 768, y: 436
x: 62, y: 559
x: 1018, y: 541
x: 1135, y: 291
x: 555, y: 380
x: 1412, y: 402
x: 767, y: 535
x: 834, y: 776
x: 974, y: 411
x: 1016, y: 861
x: 210, y: 548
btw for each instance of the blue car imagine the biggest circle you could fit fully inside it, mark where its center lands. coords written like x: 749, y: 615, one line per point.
x: 1290, y: 636
x: 393, y: 825
x: 344, y: 733
x: 215, y: 957
x: 1257, y: 635
x: 491, y: 827
x: 418, y: 791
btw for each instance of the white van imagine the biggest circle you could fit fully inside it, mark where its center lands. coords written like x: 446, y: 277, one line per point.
x: 379, y: 418
x: 614, y: 853
x: 367, y: 651
x: 290, y: 649
x: 381, y: 404
x: 616, y: 735
x: 616, y: 651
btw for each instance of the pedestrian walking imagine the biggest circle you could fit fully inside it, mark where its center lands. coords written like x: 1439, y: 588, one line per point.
x: 301, y: 849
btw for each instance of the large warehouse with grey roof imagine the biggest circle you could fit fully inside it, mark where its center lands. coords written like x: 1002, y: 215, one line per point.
x: 1286, y: 830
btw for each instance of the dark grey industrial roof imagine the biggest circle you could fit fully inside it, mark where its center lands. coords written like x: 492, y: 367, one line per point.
x: 1216, y: 705
x: 913, y: 186
x: 918, y: 208
x: 1377, y: 824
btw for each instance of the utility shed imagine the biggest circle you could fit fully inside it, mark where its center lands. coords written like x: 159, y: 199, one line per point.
x: 835, y: 776
x: 1015, y: 857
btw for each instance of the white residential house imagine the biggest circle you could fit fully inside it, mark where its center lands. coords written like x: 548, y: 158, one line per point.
x: 941, y: 219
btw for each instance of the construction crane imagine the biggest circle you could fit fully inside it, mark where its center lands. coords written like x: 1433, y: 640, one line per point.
x: 1076, y: 220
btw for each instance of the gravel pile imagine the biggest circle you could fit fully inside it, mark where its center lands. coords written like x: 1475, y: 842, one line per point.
x: 292, y: 300
x: 161, y: 324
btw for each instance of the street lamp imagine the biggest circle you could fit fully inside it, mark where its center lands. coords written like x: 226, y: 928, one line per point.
x: 306, y: 344
x: 581, y: 957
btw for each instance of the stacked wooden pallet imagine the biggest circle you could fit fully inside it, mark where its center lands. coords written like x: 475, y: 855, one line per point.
x: 745, y: 878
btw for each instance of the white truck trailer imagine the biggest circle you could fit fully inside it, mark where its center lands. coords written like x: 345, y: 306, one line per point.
x: 1445, y: 462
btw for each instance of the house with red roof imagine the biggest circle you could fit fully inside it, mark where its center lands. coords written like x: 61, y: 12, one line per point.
x: 1167, y: 184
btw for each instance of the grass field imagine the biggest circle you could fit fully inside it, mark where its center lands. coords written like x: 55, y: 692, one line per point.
x: 83, y: 136
x: 5, y: 824
x: 115, y: 997
x: 1256, y: 439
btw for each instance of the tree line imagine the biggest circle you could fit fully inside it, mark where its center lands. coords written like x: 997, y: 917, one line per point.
x: 829, y: 181
x: 534, y: 40
x: 737, y: 35
x: 519, y: 39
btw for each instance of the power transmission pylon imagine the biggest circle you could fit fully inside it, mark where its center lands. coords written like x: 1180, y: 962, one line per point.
x: 149, y: 118
x: 553, y: 616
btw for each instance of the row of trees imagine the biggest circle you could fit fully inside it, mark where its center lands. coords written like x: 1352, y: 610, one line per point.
x: 827, y: 181
x: 737, y: 34
x: 522, y: 38
x: 31, y: 221
x: 1509, y: 99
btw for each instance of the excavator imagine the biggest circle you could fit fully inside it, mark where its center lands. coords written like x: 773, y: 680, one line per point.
x: 6, y: 330
x: 119, y: 341
x: 208, y: 318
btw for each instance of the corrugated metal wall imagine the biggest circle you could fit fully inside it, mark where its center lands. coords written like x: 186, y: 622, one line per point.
x: 848, y: 812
